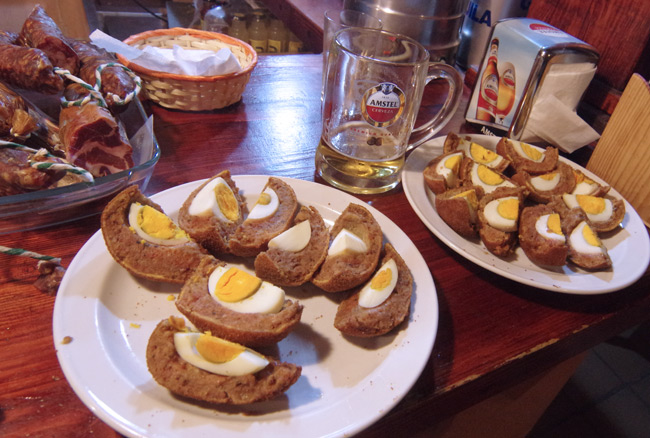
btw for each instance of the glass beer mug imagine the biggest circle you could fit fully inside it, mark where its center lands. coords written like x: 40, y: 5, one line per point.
x: 374, y: 81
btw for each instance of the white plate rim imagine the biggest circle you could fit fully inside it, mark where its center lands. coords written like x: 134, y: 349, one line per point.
x: 79, y: 312
x: 571, y: 281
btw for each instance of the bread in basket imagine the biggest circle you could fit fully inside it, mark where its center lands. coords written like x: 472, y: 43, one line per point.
x: 192, y: 93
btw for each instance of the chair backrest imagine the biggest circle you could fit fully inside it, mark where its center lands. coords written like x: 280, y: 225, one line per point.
x: 622, y: 155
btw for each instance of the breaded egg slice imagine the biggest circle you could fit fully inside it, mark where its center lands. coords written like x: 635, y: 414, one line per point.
x: 586, y: 186
x: 549, y: 227
x: 541, y: 236
x: 216, y: 198
x: 526, y: 157
x: 604, y: 214
x: 242, y: 292
x: 380, y: 286
x: 480, y: 175
x: 459, y: 209
x: 266, y: 205
x: 216, y: 355
x: 483, y: 155
x: 503, y: 213
x: 442, y: 172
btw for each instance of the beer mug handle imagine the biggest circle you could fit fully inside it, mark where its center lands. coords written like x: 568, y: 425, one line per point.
x: 439, y: 70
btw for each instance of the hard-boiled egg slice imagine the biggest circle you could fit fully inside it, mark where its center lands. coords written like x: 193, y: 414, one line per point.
x: 448, y: 168
x: 346, y: 241
x: 216, y: 198
x: 380, y: 286
x: 154, y: 226
x: 242, y: 292
x: 528, y: 151
x: 584, y: 185
x: 487, y: 178
x: 266, y: 205
x: 480, y: 154
x: 294, y: 239
x: 545, y: 182
x: 597, y: 209
x: 549, y: 227
x: 217, y: 355
x: 503, y: 213
x: 584, y: 240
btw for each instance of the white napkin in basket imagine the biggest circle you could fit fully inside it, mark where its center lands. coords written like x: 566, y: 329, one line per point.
x: 176, y: 60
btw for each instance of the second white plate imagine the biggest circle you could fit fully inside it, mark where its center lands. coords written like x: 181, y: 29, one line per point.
x: 628, y: 247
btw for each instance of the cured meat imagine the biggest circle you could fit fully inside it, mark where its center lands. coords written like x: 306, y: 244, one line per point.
x: 15, y: 120
x: 27, y: 68
x: 17, y: 176
x: 41, y: 32
x: 114, y: 79
x: 93, y: 139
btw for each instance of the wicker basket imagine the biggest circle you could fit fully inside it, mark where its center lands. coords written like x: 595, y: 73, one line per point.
x: 192, y: 93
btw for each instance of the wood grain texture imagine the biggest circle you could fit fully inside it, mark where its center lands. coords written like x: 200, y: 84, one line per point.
x: 622, y: 155
x: 493, y: 333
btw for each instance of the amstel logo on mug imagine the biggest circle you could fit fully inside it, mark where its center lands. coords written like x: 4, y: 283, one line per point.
x: 383, y: 104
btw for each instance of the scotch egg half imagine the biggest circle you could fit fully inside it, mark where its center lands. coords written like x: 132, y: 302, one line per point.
x: 216, y: 198
x: 155, y: 226
x: 242, y: 292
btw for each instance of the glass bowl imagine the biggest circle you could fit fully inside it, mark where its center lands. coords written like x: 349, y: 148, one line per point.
x: 43, y: 208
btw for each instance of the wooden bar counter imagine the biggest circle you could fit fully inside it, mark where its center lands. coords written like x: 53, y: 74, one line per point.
x: 497, y: 339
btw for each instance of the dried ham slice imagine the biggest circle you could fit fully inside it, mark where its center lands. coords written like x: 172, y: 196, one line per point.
x: 94, y: 140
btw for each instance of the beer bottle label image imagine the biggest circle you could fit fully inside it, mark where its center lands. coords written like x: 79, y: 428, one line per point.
x: 489, y: 87
x: 507, y: 91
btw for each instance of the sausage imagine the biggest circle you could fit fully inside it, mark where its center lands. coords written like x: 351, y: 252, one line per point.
x: 41, y: 32
x: 17, y: 176
x: 114, y: 79
x: 28, y: 68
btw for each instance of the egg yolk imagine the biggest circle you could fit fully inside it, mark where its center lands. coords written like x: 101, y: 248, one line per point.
x: 453, y: 163
x: 217, y: 350
x: 590, y: 237
x: 235, y: 285
x: 381, y: 280
x: 591, y: 204
x: 509, y: 208
x: 488, y: 176
x: 548, y: 176
x: 470, y: 196
x: 156, y: 224
x: 481, y: 154
x: 264, y: 199
x: 553, y: 224
x: 531, y: 152
x: 581, y: 178
x: 226, y: 202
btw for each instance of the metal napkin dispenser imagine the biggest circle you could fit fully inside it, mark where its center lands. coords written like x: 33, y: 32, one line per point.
x: 528, y: 60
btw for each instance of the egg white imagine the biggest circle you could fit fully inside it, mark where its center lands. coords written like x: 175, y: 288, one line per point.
x: 495, y: 219
x: 205, y: 202
x: 247, y: 362
x: 541, y: 225
x: 369, y: 297
x: 261, y: 211
x: 585, y: 188
x: 543, y: 184
x: 134, y: 210
x: 571, y: 201
x: 268, y: 299
x: 294, y: 239
x: 346, y: 240
x: 477, y: 181
x: 579, y: 244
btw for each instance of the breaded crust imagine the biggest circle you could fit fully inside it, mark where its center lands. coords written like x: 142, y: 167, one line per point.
x: 566, y: 184
x: 570, y: 221
x: 347, y: 270
x: 211, y: 232
x: 498, y: 242
x: 355, y: 320
x: 538, y: 248
x: 456, y: 212
x: 286, y: 268
x: 252, y: 236
x: 173, y: 264
x: 182, y: 378
x: 250, y: 329
x: 507, y: 150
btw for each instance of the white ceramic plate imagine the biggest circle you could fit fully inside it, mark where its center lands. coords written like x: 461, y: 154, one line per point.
x: 628, y: 247
x: 346, y: 384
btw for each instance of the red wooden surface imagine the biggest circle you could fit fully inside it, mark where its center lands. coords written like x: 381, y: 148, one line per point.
x: 493, y: 332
